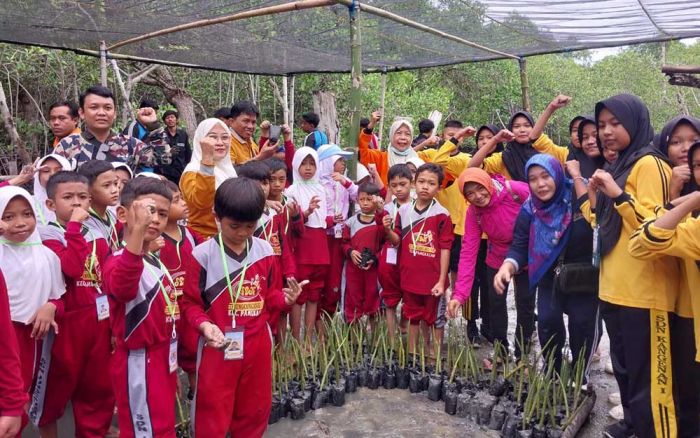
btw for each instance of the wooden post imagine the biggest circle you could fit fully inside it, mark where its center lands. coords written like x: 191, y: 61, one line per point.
x: 291, y: 105
x: 524, y: 84
x: 103, y: 63
x: 356, y: 90
x: 382, y: 98
x: 285, y: 97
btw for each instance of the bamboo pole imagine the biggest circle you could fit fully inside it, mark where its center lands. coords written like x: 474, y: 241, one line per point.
x: 382, y: 99
x: 524, y: 84
x: 356, y: 90
x: 285, y: 99
x: 291, y: 104
x: 405, y: 21
x: 103, y: 63
x: 287, y: 7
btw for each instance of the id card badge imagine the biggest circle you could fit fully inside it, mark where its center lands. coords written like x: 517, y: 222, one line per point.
x: 391, y: 256
x: 234, y: 344
x: 172, y: 356
x: 338, y: 231
x: 102, y: 305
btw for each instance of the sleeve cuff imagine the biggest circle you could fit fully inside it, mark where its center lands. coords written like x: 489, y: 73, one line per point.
x: 624, y: 197
x: 206, y: 170
x: 74, y: 227
x: 514, y: 262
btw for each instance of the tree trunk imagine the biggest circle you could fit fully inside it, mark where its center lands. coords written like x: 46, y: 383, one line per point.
x: 9, y: 124
x: 324, y: 106
x: 291, y: 106
x: 175, y: 95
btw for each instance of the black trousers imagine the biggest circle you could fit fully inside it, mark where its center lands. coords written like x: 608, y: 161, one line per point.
x: 584, y: 324
x: 630, y: 331
x: 524, y: 307
x: 478, y: 304
x: 686, y: 374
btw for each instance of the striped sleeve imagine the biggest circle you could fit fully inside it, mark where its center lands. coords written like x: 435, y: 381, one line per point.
x: 650, y: 241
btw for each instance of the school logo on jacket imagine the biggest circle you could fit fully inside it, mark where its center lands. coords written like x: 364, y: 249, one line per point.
x: 174, y: 311
x: 250, y: 302
x: 275, y: 244
x: 92, y: 273
x: 424, y: 245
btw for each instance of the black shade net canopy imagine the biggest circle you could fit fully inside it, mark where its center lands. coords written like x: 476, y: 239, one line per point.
x: 317, y: 39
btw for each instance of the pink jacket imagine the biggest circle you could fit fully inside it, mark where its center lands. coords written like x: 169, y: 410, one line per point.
x: 497, y: 221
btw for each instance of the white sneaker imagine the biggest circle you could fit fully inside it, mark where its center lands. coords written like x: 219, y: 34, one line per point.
x: 615, y: 398
x: 617, y: 413
x: 609, y: 367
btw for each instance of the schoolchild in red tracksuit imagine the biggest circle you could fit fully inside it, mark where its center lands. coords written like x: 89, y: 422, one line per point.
x: 340, y: 192
x: 311, y: 252
x: 143, y: 314
x: 362, y: 233
x: 33, y: 280
x: 13, y: 397
x: 103, y: 182
x: 75, y: 366
x: 231, y: 282
x: 423, y: 232
x: 273, y: 228
x: 178, y: 243
x: 400, y: 183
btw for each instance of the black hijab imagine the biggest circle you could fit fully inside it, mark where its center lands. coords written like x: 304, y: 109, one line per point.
x: 692, y: 185
x: 665, y: 137
x: 634, y: 116
x: 588, y: 165
x: 571, y: 126
x: 669, y: 127
x: 494, y: 130
x: 516, y: 154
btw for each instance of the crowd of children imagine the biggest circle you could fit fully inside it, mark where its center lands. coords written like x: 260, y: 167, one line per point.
x: 109, y: 292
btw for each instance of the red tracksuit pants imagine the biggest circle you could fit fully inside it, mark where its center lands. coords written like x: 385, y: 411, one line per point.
x: 28, y: 357
x: 361, y: 294
x: 234, y: 395
x: 389, y: 279
x: 145, y: 391
x: 73, y: 367
x: 330, y: 295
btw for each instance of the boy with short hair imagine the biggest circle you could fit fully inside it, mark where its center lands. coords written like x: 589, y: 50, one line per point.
x: 232, y: 282
x: 423, y: 235
x: 178, y: 243
x: 400, y: 183
x: 143, y: 315
x: 76, y: 362
x: 362, y: 241
x: 104, y: 184
x: 271, y: 228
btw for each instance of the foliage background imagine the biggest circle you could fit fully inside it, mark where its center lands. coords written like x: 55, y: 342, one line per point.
x: 475, y: 93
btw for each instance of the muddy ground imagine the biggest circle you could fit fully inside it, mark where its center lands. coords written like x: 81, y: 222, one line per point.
x: 397, y: 413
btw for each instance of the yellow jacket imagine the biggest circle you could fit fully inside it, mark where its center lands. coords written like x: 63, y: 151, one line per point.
x: 242, y: 151
x: 450, y: 197
x: 198, y: 189
x: 650, y: 241
x: 545, y: 145
x: 628, y: 281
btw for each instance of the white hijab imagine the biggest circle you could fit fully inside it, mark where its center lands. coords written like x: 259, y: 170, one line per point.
x: 44, y: 215
x: 32, y: 271
x: 394, y: 155
x: 303, y: 190
x: 362, y: 172
x: 223, y: 168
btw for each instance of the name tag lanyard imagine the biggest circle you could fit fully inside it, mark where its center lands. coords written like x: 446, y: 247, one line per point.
x: 169, y: 302
x: 228, y: 278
